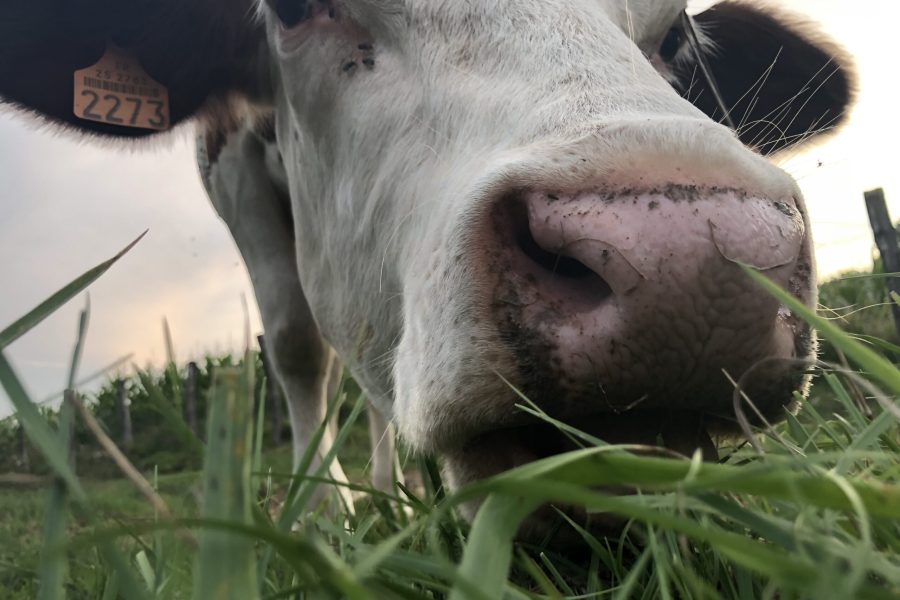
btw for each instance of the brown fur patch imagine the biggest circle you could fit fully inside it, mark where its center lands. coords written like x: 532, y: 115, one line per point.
x: 265, y: 127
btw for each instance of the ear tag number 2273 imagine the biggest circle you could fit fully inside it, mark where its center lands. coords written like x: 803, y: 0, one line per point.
x: 117, y: 91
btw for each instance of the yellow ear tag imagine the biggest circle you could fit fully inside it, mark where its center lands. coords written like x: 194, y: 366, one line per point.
x: 117, y: 91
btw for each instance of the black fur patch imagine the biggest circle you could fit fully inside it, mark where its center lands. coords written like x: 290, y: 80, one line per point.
x: 198, y: 49
x: 808, y: 91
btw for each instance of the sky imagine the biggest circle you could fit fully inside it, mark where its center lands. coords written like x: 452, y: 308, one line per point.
x: 66, y: 206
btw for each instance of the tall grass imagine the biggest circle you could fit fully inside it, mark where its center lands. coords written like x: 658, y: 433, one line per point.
x: 812, y: 510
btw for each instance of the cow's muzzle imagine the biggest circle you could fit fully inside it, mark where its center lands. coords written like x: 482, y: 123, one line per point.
x: 636, y: 298
x: 627, y: 311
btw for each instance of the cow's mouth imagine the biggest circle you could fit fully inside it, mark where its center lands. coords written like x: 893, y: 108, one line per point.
x: 675, y: 433
x: 680, y: 433
x: 646, y: 432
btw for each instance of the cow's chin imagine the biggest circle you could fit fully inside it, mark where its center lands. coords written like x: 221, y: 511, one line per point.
x: 652, y: 432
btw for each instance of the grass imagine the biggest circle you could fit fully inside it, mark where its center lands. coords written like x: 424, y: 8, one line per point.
x: 812, y: 510
x: 21, y: 530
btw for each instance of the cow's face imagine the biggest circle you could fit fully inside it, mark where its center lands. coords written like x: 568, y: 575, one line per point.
x: 499, y: 194
x: 494, y: 194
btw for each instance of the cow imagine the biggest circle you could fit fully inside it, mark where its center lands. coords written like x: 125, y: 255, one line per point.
x: 465, y: 200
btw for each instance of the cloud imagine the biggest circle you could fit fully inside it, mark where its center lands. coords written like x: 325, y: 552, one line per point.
x: 66, y: 207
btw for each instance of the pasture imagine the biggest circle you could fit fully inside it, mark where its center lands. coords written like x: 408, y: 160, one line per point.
x: 810, y: 510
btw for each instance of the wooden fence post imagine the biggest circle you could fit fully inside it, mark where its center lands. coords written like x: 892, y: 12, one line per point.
x: 886, y: 240
x: 190, y: 396
x: 69, y: 435
x: 275, y: 401
x: 23, y: 449
x: 124, y: 413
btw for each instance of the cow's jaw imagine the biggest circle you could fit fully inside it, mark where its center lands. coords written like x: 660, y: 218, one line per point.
x: 649, y: 433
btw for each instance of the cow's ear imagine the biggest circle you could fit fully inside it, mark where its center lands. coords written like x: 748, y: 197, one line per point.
x: 203, y: 52
x: 783, y: 81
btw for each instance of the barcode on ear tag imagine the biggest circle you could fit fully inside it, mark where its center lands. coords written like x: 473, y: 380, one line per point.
x: 116, y: 90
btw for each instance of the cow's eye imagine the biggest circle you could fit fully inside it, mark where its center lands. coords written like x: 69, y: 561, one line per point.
x: 671, y: 44
x: 292, y: 12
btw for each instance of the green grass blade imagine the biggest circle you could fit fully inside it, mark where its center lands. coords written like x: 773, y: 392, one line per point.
x: 111, y: 587
x: 661, y: 563
x: 772, y: 561
x: 876, y: 341
x: 66, y: 293
x: 599, y: 467
x: 54, y: 565
x: 83, y: 320
x: 488, y: 555
x: 844, y: 396
x: 877, y: 366
x: 226, y: 564
x: 803, y: 437
x: 370, y: 561
x: 869, y: 437
x: 259, y: 431
x: 773, y: 530
x: 557, y: 576
x: 869, y: 276
x: 148, y: 574
x: 627, y: 589
x: 539, y: 577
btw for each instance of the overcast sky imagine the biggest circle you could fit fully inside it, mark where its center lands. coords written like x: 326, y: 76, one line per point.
x: 65, y: 206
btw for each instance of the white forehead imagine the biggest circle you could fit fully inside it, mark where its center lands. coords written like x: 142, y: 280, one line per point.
x: 566, y: 63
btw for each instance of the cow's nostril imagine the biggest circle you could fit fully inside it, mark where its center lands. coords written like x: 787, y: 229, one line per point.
x: 556, y: 263
x: 557, y: 275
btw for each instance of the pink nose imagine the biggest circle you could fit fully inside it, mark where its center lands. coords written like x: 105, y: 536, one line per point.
x: 621, y: 286
x: 629, y: 239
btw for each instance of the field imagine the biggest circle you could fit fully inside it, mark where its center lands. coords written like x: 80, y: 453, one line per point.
x: 810, y: 510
